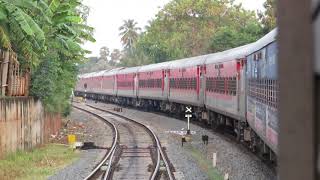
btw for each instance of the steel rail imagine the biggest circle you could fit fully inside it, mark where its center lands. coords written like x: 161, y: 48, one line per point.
x: 110, y: 152
x: 106, y: 175
x: 159, y: 148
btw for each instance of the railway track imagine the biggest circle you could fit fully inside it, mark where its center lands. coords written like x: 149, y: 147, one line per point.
x: 137, y: 153
x: 97, y: 173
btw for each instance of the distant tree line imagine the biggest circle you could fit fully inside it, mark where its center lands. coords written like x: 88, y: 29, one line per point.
x: 185, y: 28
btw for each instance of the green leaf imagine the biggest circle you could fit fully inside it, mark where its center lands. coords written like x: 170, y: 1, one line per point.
x: 3, y: 13
x: 53, y: 6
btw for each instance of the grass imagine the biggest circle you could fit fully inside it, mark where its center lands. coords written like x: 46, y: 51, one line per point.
x: 36, y: 164
x: 205, y: 164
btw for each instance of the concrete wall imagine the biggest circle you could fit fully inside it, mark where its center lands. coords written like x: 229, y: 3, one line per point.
x: 24, y: 124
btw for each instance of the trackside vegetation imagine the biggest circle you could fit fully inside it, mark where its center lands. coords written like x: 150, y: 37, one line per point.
x: 205, y: 164
x: 36, y: 164
x: 47, y: 36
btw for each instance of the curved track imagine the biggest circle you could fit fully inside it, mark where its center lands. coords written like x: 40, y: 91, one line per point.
x: 136, y: 153
x: 96, y: 173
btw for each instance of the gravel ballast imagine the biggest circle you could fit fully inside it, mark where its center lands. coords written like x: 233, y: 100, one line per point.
x: 94, y: 130
x: 232, y: 158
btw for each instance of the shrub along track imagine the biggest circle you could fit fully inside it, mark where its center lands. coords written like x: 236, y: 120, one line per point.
x: 136, y: 153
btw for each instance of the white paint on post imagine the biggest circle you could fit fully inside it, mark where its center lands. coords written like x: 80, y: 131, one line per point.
x: 214, y: 159
x: 85, y: 95
x: 188, y: 116
x: 226, y: 176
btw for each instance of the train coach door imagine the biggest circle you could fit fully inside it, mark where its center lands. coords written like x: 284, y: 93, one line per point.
x: 166, y: 84
x: 241, y: 95
x: 202, y: 73
x: 135, y: 84
x: 199, y: 74
x: 162, y: 82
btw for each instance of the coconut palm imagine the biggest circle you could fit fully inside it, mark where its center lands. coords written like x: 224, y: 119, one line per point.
x: 129, y: 33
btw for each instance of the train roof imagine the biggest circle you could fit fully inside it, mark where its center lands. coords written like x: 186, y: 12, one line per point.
x: 111, y: 72
x: 99, y: 73
x: 265, y: 40
x: 153, y: 67
x: 129, y: 70
x: 88, y: 75
x: 187, y: 62
x: 231, y: 54
x: 242, y: 51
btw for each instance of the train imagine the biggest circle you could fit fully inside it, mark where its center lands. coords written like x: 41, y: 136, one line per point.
x: 237, y: 89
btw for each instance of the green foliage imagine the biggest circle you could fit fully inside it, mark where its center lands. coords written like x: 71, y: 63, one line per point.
x: 39, y: 163
x: 47, y: 35
x: 185, y: 28
x: 269, y: 17
x: 231, y: 37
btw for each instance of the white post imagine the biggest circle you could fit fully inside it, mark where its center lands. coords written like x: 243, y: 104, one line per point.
x: 214, y: 160
x: 226, y: 176
x: 188, y: 116
x: 85, y: 95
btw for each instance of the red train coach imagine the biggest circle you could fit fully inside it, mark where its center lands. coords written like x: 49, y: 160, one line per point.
x: 185, y: 85
x: 153, y: 81
x: 225, y: 83
x: 86, y: 82
x: 96, y: 82
x: 127, y: 85
x: 109, y: 83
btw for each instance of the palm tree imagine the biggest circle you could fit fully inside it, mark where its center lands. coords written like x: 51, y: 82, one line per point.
x: 129, y: 33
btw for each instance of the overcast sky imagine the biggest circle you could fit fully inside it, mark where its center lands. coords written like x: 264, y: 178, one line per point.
x: 106, y: 16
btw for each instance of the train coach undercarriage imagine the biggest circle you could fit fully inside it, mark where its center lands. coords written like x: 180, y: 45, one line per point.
x: 233, y: 128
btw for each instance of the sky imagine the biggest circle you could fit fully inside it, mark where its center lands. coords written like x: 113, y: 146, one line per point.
x: 106, y: 16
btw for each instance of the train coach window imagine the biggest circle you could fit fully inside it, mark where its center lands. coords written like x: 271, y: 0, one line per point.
x: 210, y: 84
x: 186, y: 86
x: 176, y: 83
x: 181, y: 83
x: 159, y: 83
x: 193, y: 83
x: 232, y: 86
x: 220, y: 85
x: 173, y: 85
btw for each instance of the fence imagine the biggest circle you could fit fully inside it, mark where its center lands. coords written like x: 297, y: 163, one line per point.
x: 24, y: 124
x: 13, y: 81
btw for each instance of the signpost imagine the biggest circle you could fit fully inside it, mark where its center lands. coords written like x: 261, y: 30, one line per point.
x: 188, y: 116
